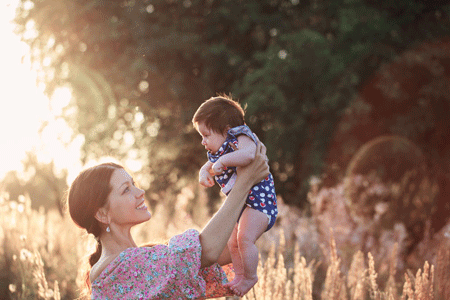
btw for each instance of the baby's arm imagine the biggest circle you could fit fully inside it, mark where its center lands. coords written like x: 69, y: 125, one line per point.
x: 239, y: 158
x: 205, y: 178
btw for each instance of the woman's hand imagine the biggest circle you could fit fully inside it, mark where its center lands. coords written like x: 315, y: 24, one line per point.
x: 258, y: 169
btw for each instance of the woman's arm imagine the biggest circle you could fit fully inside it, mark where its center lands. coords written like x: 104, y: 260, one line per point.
x: 225, y: 257
x: 239, y: 158
x: 215, y: 235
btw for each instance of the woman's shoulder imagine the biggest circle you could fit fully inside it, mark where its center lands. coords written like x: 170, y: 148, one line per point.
x: 109, y: 263
x: 190, y: 236
x: 100, y: 266
x: 164, y: 271
x: 145, y: 256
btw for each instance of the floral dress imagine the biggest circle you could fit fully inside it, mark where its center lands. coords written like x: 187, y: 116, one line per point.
x: 163, y: 272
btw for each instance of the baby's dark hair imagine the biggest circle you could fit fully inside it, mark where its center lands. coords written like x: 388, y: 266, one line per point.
x: 219, y: 112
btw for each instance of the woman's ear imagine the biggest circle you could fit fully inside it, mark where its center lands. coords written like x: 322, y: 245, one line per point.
x: 102, y: 215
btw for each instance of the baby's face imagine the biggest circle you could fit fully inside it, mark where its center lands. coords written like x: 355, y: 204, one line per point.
x: 210, y: 139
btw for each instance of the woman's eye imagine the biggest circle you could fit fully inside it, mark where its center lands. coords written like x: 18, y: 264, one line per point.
x: 126, y: 189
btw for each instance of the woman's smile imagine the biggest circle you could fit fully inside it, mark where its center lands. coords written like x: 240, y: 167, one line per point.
x: 142, y: 206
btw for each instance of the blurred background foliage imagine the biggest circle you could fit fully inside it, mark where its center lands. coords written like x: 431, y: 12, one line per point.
x: 38, y: 180
x: 319, y: 79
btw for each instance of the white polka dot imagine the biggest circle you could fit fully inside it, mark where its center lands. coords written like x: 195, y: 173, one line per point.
x: 256, y: 188
x: 270, y: 202
x: 255, y: 204
x: 267, y: 188
x: 225, y: 176
x: 262, y: 195
x: 265, y: 211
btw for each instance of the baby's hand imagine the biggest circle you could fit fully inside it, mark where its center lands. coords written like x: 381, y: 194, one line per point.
x: 205, y: 178
x: 217, y: 168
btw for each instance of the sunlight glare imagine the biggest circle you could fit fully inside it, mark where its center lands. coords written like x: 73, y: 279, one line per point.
x: 24, y: 107
x: 60, y: 99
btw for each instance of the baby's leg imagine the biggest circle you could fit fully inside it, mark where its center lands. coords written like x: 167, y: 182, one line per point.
x: 252, y: 225
x: 235, y: 258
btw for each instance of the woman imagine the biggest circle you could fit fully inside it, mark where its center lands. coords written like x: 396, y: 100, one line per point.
x: 105, y: 201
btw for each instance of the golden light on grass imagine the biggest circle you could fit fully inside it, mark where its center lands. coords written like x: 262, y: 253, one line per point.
x: 41, y: 254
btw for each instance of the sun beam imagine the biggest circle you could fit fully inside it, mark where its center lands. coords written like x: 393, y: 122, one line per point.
x: 24, y: 107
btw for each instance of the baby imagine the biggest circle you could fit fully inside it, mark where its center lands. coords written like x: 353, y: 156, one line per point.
x: 230, y: 144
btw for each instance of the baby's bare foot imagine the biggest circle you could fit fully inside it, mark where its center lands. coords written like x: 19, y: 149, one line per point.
x: 243, y: 286
x: 235, y: 281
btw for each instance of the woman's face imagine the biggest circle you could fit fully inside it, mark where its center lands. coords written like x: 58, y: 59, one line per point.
x: 126, y: 201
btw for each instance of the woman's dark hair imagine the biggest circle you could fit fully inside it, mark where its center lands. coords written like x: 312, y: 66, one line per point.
x: 87, y: 193
x: 219, y: 112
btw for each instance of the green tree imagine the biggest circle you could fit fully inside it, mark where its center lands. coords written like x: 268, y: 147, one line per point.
x: 39, y: 181
x: 139, y: 69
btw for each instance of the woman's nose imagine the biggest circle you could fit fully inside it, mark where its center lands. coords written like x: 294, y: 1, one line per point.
x: 139, y: 193
x: 203, y: 142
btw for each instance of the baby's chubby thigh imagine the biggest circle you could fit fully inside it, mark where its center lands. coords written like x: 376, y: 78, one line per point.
x: 252, y: 224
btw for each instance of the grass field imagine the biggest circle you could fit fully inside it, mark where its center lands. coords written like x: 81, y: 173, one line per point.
x: 42, y: 254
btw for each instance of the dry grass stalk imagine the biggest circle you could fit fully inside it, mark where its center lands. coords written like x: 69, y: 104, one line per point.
x: 44, y: 291
x: 42, y: 263
x: 277, y: 282
x: 374, y: 291
x: 423, y: 284
x: 302, y: 278
x: 56, y: 290
x: 356, y: 277
x: 334, y: 287
x: 288, y: 290
x: 391, y: 285
x: 279, y: 279
x: 265, y: 275
x: 269, y: 274
x: 407, y: 289
x: 39, y: 276
x: 443, y: 273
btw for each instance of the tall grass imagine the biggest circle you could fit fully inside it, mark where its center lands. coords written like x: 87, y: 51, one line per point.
x: 42, y: 254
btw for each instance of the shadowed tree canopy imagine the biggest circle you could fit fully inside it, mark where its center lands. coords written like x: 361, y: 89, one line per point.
x: 139, y: 69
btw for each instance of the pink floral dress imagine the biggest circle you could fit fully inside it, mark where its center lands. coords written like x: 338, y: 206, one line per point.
x: 163, y: 272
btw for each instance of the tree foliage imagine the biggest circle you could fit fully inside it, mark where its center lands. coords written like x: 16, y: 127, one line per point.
x: 39, y: 182
x: 139, y: 69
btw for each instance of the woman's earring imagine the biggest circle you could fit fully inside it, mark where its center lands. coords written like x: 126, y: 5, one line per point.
x: 108, y: 229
